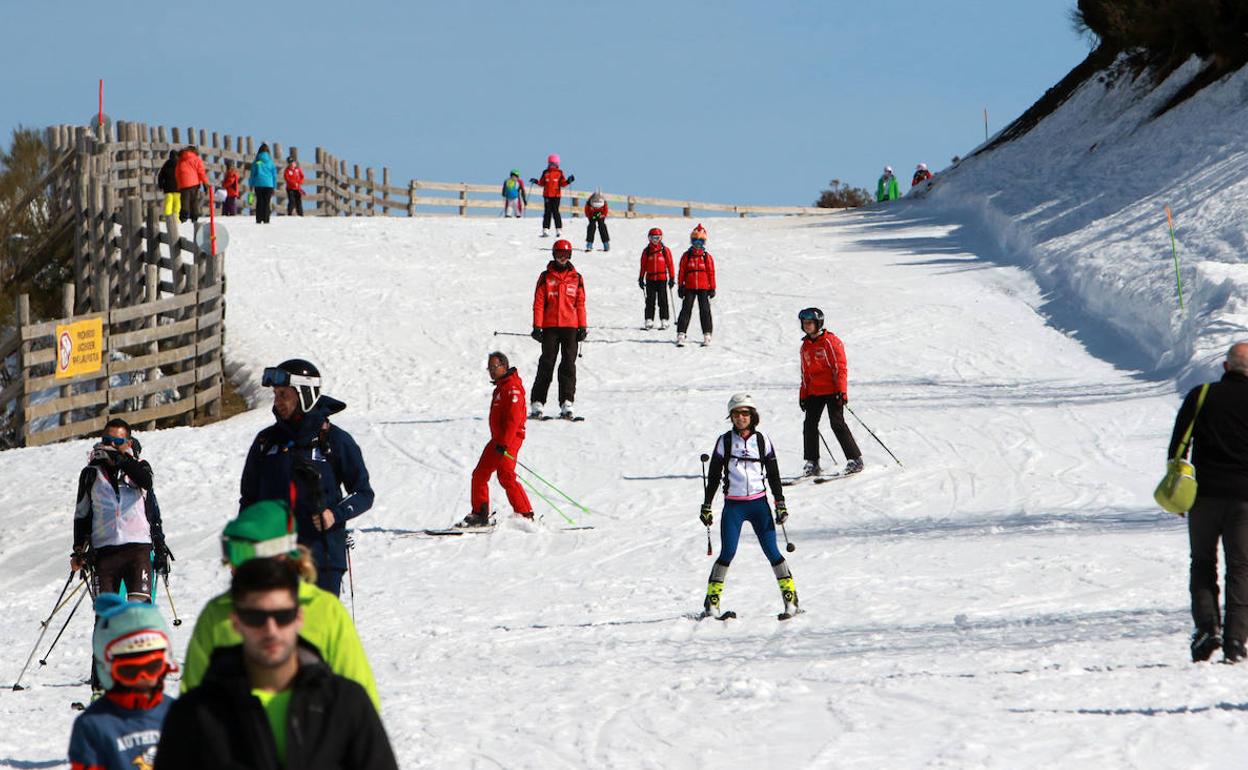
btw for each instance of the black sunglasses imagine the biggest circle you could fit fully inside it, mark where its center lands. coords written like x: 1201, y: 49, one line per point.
x: 253, y: 618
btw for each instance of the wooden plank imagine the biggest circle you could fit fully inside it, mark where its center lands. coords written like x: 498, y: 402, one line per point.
x: 69, y: 430
x: 58, y: 405
x: 48, y: 328
x: 151, y: 308
x: 50, y: 381
x: 210, y: 369
x: 150, y: 335
x: 152, y: 360
x: 205, y: 397
x: 149, y: 387
x: 208, y: 320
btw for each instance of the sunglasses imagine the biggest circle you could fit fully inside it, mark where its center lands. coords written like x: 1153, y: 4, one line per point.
x: 114, y: 440
x: 253, y: 618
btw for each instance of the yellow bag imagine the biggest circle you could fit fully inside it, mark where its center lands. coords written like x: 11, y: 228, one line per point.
x: 1177, y: 491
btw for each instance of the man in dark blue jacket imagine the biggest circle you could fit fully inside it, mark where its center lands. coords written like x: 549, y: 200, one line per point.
x: 306, y: 461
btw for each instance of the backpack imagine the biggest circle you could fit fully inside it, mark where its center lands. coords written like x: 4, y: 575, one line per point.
x: 762, y: 456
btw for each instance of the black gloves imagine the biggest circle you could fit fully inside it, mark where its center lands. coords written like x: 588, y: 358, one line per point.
x: 641, y: 284
x: 500, y: 448
x: 706, y: 516
x: 536, y: 334
x: 801, y: 402
x: 711, y: 294
x: 671, y: 282
x: 572, y: 179
x: 581, y: 334
x: 782, y: 512
x: 532, y: 180
x: 161, y: 556
x: 102, y: 454
x: 681, y: 292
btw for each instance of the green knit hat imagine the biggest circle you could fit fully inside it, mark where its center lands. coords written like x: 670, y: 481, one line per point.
x: 263, y: 529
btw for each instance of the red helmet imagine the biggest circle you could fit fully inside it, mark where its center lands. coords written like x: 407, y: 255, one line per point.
x: 653, y: 232
x: 562, y: 246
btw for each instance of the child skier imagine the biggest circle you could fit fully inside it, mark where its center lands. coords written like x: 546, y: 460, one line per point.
x: 697, y: 282
x: 744, y: 462
x: 596, y: 211
x: 167, y: 180
x: 825, y: 375
x: 293, y: 175
x: 552, y: 182
x: 230, y: 183
x: 657, y: 269
x: 132, y: 655
x: 514, y: 196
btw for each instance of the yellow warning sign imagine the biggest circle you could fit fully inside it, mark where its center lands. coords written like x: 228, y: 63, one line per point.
x: 79, y: 348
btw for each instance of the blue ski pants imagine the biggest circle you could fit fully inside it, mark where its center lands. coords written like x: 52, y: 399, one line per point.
x: 758, y: 513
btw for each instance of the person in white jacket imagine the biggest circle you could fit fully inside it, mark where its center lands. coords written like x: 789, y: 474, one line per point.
x: 744, y: 463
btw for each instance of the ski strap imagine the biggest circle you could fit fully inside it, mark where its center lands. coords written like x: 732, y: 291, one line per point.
x: 762, y: 455
x: 1187, y: 437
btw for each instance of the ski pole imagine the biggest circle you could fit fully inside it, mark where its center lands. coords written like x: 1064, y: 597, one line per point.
x: 788, y: 546
x: 509, y: 334
x: 44, y: 627
x: 177, y: 621
x: 509, y: 455
x: 44, y: 660
x: 351, y: 574
x: 534, y: 490
x: 877, y: 438
x: 704, y: 458
x: 831, y: 456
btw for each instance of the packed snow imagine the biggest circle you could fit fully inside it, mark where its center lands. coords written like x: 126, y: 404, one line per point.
x: 1011, y: 598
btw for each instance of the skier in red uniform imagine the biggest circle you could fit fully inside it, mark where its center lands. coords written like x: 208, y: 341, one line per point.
x: 552, y: 181
x: 657, y: 269
x: 825, y: 376
x: 559, y: 324
x: 697, y: 282
x: 506, y: 436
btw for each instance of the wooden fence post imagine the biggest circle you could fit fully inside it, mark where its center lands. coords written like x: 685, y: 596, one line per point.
x: 67, y: 312
x: 411, y: 198
x: 372, y: 191
x: 463, y: 199
x: 151, y: 286
x: 23, y: 368
x: 385, y: 190
x: 632, y: 206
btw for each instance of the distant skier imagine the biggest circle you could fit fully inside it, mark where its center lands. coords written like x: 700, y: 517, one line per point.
x: 696, y: 283
x: 293, y: 176
x: 596, y: 211
x: 886, y: 188
x: 506, y: 435
x: 167, y: 180
x: 921, y: 175
x: 191, y: 177
x: 514, y: 196
x: 657, y: 269
x: 230, y: 183
x: 304, y: 460
x: 263, y: 181
x: 132, y: 654
x: 559, y: 324
x: 825, y: 375
x: 552, y: 181
x: 744, y: 462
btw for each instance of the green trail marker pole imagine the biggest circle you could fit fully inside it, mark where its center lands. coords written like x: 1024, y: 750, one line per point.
x: 1174, y: 249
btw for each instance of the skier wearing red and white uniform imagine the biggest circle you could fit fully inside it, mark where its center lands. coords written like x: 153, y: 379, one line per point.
x: 697, y: 282
x: 657, y: 269
x: 507, y: 415
x: 552, y: 181
x: 825, y: 376
x: 921, y: 175
x: 559, y: 324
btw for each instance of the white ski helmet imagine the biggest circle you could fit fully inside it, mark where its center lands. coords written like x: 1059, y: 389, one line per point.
x: 888, y: 169
x: 743, y: 401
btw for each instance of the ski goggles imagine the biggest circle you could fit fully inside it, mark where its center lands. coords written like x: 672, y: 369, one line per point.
x: 563, y: 255
x: 140, y: 671
x: 114, y: 440
x: 236, y: 552
x: 254, y: 618
x: 698, y: 243
x: 274, y: 377
x: 656, y: 238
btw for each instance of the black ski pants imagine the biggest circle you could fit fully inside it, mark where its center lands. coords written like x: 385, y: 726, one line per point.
x: 656, y: 292
x: 294, y: 203
x: 132, y: 563
x: 601, y: 225
x: 1209, y: 520
x: 190, y: 204
x: 836, y: 418
x: 556, y: 341
x: 703, y: 298
x: 551, y: 212
x: 264, y: 204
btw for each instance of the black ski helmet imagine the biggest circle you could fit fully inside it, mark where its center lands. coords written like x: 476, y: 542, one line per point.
x: 812, y: 314
x: 299, y: 374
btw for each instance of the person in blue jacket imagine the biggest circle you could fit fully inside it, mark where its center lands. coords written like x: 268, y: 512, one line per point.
x: 263, y: 181
x: 307, y: 462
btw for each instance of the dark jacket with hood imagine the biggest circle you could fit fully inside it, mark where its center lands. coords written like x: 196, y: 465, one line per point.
x: 330, y: 723
x: 167, y: 179
x: 320, y: 459
x: 1220, y: 441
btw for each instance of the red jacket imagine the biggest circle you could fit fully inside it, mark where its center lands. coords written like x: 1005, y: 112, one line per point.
x: 508, y: 411
x: 294, y: 178
x: 656, y: 263
x: 559, y: 299
x: 598, y: 213
x: 824, y: 370
x: 230, y: 183
x: 190, y: 171
x: 697, y: 270
x: 922, y: 175
x: 552, y: 181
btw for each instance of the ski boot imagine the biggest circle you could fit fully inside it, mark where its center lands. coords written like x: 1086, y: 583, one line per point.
x: 1205, y: 643
x: 1233, y: 651
x: 788, y: 592
x: 662, y: 324
x: 558, y: 233
x: 714, y: 589
x: 854, y: 466
x: 606, y: 245
x: 545, y: 234
x: 706, y: 339
x: 535, y: 410
x: 565, y: 410
x: 478, y: 518
x: 811, y: 468
x: 680, y: 340
x: 649, y: 324
x: 589, y: 247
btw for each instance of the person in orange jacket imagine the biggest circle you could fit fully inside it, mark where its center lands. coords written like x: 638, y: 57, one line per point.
x: 294, y: 187
x: 552, y: 182
x: 230, y: 183
x: 499, y: 455
x: 696, y: 282
x: 191, y: 176
x: 825, y: 377
x: 559, y: 324
x: 596, y: 211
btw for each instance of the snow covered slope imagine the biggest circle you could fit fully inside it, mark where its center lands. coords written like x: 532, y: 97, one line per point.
x: 1080, y: 201
x: 1009, y: 599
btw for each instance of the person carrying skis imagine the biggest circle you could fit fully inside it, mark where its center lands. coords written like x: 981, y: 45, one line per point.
x: 886, y: 188
x: 744, y: 462
x: 306, y: 461
x: 697, y: 282
x: 267, y: 530
x: 921, y: 175
x: 499, y: 455
x: 167, y: 181
x: 657, y: 269
x: 132, y: 655
x: 514, y: 196
x: 293, y: 175
x: 825, y: 376
x: 559, y: 325
x: 552, y: 181
x: 272, y: 701
x: 191, y: 177
x: 230, y: 183
x: 596, y: 211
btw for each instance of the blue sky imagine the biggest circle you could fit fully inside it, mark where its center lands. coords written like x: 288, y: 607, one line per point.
x: 735, y: 102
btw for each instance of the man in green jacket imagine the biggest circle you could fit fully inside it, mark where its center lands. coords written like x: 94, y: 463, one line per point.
x: 267, y: 529
x: 886, y: 189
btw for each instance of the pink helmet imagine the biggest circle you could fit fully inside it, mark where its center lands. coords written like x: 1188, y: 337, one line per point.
x: 552, y: 158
